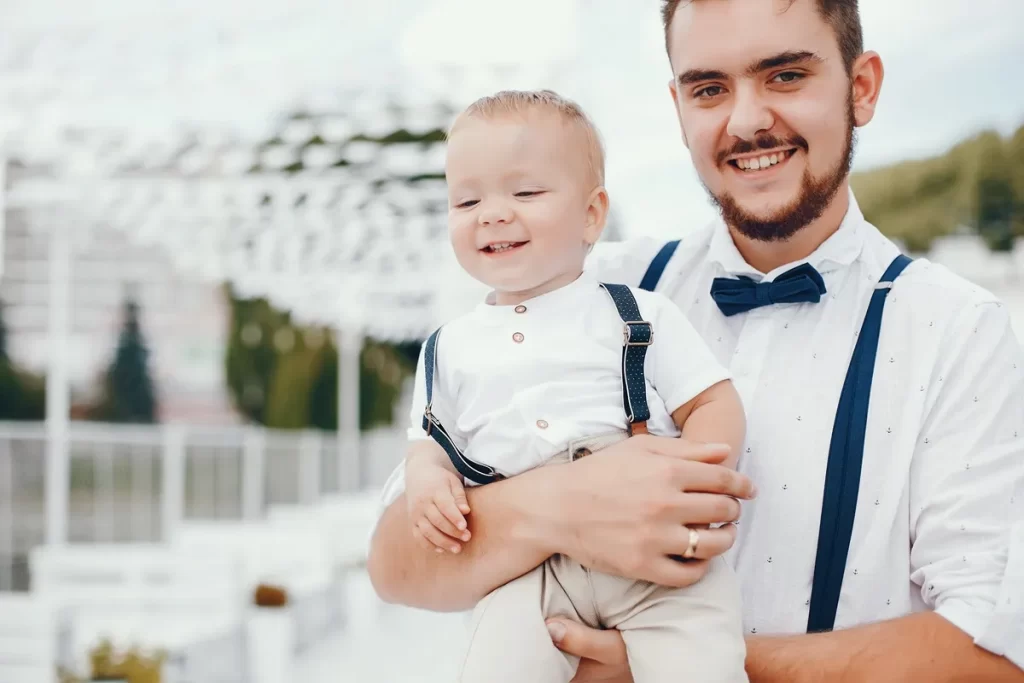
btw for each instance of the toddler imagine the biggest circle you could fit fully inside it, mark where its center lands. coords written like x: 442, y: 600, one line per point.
x: 551, y: 368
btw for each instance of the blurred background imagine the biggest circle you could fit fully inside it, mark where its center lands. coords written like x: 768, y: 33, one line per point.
x: 223, y: 238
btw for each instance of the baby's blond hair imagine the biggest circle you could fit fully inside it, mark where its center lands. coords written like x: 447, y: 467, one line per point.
x: 518, y: 102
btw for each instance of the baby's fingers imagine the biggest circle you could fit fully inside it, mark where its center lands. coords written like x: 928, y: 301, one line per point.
x: 441, y: 522
x: 437, y: 539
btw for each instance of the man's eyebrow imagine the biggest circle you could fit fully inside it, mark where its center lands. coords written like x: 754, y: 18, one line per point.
x: 698, y: 75
x: 783, y: 59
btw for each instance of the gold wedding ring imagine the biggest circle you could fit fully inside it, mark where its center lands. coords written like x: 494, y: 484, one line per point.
x: 691, y: 550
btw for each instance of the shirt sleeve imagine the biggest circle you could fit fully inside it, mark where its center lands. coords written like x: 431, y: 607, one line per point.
x: 680, y: 364
x: 967, y: 485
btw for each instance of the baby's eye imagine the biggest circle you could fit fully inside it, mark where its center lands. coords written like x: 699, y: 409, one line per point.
x: 528, y: 193
x: 467, y: 204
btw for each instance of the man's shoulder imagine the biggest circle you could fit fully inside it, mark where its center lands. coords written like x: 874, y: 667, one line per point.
x: 626, y: 261
x: 927, y: 281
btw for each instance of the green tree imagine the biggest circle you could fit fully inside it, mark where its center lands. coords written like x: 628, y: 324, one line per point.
x: 22, y: 394
x: 129, y: 394
x: 995, y: 199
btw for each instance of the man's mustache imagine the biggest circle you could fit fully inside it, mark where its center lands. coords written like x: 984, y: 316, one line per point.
x: 762, y: 142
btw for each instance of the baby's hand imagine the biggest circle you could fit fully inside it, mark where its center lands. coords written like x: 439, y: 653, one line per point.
x: 437, y: 505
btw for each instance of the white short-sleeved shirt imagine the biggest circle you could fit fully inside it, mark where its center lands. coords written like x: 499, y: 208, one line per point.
x: 514, y: 385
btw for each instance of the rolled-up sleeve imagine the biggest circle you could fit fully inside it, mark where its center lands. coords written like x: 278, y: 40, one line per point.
x: 967, y: 484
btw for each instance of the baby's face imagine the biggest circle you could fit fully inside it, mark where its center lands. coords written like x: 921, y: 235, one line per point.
x: 520, y: 197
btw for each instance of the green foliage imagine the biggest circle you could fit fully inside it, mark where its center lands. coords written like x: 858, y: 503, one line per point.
x: 977, y: 185
x: 286, y: 377
x: 22, y: 394
x: 129, y: 395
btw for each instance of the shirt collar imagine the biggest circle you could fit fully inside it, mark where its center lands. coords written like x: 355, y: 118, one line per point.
x: 555, y: 300
x: 841, y: 249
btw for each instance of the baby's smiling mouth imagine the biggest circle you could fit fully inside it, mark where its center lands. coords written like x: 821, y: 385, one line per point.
x: 502, y: 247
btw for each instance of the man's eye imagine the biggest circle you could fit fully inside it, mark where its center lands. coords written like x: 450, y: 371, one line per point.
x: 788, y: 77
x: 708, y: 92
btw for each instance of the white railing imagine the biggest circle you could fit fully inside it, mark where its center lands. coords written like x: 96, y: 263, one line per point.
x: 138, y: 483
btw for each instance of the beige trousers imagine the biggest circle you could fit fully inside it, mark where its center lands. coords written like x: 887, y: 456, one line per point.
x: 688, y: 635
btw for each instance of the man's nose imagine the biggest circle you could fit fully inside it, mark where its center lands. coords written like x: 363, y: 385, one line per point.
x: 750, y: 114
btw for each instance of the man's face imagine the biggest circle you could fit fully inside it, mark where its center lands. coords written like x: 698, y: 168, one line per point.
x: 765, y: 105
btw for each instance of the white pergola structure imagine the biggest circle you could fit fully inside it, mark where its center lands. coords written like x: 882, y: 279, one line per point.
x: 152, y: 117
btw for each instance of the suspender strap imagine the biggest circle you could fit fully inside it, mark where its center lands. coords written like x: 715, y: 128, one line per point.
x: 474, y: 471
x: 657, y: 267
x: 637, y: 335
x: 845, y: 456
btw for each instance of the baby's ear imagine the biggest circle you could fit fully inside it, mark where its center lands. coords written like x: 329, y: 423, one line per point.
x: 597, y: 215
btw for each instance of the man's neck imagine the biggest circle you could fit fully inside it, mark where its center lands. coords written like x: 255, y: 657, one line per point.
x: 767, y: 256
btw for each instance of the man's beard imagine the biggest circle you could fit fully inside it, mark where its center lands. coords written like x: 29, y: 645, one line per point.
x: 815, y: 194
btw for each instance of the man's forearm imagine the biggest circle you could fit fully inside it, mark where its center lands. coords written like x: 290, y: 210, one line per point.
x: 508, y: 540
x: 920, y: 647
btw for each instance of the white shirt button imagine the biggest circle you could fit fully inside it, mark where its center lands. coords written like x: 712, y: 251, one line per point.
x: 518, y: 337
x: 520, y: 309
x: 542, y: 424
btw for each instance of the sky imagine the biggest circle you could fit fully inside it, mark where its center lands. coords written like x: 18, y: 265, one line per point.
x: 952, y: 68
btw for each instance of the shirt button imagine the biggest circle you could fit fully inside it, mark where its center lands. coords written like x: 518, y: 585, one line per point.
x: 542, y: 424
x: 520, y: 309
x: 518, y: 337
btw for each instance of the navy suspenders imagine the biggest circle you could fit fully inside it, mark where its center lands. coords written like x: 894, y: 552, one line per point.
x: 637, y: 335
x: 846, y: 451
x: 845, y: 456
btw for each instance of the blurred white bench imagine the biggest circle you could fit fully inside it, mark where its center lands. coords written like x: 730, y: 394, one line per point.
x: 344, y: 520
x: 293, y: 555
x: 145, y: 595
x: 32, y: 639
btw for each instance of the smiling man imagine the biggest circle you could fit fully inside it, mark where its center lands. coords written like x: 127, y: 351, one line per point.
x: 885, y: 399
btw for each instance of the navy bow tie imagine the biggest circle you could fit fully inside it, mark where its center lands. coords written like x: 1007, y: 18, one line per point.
x: 798, y: 285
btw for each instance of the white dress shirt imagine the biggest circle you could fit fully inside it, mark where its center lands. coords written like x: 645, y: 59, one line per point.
x: 940, y: 515
x: 514, y: 385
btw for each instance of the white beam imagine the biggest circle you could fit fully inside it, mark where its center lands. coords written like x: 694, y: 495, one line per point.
x: 58, y: 399
x: 350, y: 345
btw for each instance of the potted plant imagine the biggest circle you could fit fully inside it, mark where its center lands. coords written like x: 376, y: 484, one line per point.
x: 270, y: 635
x: 129, y: 666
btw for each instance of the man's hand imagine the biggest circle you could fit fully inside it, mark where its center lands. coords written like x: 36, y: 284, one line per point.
x: 602, y: 653
x: 627, y: 508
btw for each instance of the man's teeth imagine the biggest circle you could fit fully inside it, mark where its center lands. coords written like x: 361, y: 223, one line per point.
x: 764, y: 161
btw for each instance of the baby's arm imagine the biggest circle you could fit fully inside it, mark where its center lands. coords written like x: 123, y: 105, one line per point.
x: 436, y: 499
x: 695, y: 386
x: 715, y: 416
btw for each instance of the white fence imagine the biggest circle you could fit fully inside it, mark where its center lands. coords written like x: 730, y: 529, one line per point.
x: 137, y: 483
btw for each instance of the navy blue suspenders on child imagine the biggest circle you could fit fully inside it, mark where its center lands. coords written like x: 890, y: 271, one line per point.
x: 637, y: 335
x: 846, y: 451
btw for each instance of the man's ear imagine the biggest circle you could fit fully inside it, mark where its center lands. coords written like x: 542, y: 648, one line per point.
x: 674, y: 92
x: 866, y: 78
x: 597, y: 215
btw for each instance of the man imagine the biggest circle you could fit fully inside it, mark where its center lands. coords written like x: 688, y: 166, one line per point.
x: 917, y: 561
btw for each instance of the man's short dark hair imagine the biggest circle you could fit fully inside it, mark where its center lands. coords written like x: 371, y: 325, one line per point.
x: 842, y: 15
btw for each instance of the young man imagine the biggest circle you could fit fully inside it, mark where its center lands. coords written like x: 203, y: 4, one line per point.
x: 885, y: 401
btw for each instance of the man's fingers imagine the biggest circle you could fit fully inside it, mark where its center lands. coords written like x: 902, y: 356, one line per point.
x: 605, y: 646
x: 708, y: 508
x: 706, y: 478
x: 710, y: 542
x: 667, y: 571
x: 441, y: 523
x: 439, y: 540
x: 711, y: 453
